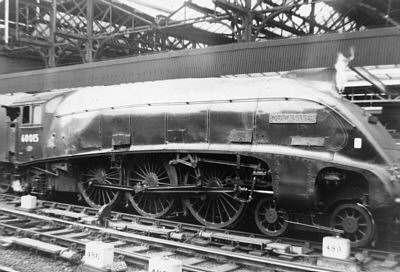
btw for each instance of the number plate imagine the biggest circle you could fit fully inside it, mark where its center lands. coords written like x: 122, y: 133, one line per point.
x: 30, y: 138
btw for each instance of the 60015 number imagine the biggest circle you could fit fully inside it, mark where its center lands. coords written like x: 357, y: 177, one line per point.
x: 30, y: 138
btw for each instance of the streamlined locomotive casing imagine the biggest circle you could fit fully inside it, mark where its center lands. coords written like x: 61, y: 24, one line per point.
x: 298, y: 129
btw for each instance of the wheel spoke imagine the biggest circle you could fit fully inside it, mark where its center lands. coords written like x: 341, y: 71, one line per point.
x: 162, y: 203
x: 223, y: 206
x: 141, y: 175
x: 146, y: 168
x: 112, y: 178
x: 201, y: 207
x: 92, y: 191
x: 103, y: 195
x: 164, y: 183
x: 229, y: 203
x: 139, y: 200
x: 163, y: 178
x: 135, y: 179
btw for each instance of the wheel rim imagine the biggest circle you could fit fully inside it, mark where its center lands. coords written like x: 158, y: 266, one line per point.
x: 214, y: 210
x: 5, y: 180
x: 269, y: 219
x: 356, y: 222
x: 101, y: 174
x: 151, y: 173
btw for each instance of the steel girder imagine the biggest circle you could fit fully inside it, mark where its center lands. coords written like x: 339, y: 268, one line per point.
x: 65, y: 32
x: 255, y: 20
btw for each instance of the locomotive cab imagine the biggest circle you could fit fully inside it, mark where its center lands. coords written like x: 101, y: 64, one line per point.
x: 25, y: 132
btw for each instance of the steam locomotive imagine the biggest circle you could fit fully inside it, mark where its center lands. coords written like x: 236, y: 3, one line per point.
x: 213, y: 146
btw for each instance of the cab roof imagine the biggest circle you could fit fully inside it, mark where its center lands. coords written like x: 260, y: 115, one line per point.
x: 34, y: 98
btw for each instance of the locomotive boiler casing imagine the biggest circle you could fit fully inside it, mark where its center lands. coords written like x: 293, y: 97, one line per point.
x: 302, y: 132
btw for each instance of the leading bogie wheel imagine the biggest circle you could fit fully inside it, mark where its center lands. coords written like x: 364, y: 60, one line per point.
x: 99, y: 173
x: 356, y: 222
x: 270, y: 219
x: 151, y: 172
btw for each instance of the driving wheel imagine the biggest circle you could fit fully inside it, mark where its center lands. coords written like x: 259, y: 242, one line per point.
x: 214, y: 209
x: 99, y: 173
x: 151, y: 172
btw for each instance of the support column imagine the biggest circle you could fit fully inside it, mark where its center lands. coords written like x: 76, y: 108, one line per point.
x: 89, y: 22
x: 312, y: 18
x: 247, y: 23
x: 6, y: 20
x: 51, y: 59
x: 16, y: 20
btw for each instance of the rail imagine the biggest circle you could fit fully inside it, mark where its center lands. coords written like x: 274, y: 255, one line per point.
x: 69, y: 227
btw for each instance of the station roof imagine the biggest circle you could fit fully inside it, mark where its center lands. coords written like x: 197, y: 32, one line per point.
x: 369, y: 13
x: 140, y: 28
x: 135, y: 27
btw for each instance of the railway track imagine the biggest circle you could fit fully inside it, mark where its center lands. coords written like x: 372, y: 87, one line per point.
x: 63, y: 230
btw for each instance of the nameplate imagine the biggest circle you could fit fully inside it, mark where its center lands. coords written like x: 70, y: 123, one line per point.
x: 293, y: 118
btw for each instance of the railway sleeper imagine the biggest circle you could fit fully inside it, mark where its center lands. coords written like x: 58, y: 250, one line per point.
x: 282, y: 249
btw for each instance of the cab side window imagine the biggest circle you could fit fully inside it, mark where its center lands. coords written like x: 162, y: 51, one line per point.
x: 31, y: 115
x: 37, y: 115
x: 26, y: 114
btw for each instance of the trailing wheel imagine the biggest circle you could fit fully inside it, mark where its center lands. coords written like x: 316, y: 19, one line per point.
x: 270, y: 219
x: 100, y: 173
x: 5, y: 179
x: 151, y: 172
x: 214, y: 209
x: 356, y: 222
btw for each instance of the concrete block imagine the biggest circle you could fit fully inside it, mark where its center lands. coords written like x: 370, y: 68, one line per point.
x: 336, y: 247
x: 164, y: 264
x: 28, y: 202
x: 99, y: 254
